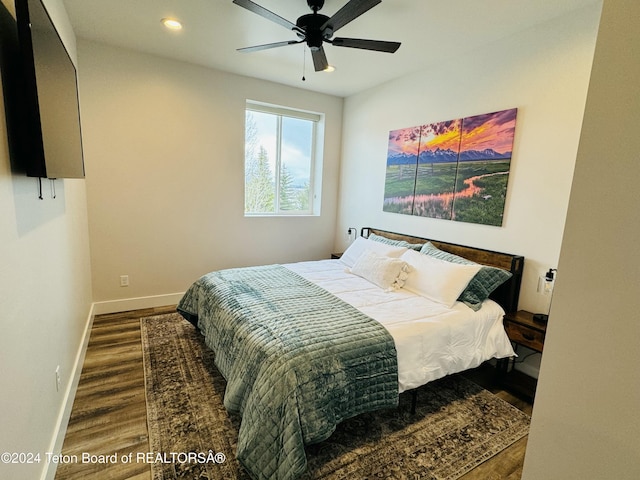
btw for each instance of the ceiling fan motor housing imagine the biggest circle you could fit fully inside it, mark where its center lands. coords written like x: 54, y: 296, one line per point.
x: 314, y: 29
x: 315, y: 5
x: 311, y: 24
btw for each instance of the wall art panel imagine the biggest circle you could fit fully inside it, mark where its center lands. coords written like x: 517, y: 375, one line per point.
x: 453, y: 170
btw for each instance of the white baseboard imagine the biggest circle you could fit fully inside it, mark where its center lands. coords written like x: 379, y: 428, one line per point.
x: 126, y: 304
x: 97, y: 308
x: 49, y: 471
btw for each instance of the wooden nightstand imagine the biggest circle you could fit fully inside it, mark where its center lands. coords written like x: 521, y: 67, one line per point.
x: 523, y: 330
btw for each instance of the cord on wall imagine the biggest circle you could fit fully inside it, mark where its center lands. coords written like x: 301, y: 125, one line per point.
x: 52, y: 188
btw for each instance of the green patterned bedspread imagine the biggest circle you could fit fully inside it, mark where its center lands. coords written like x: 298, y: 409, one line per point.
x: 297, y: 361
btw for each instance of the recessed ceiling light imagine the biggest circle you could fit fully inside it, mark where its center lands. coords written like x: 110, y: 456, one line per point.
x: 330, y: 68
x: 171, y: 23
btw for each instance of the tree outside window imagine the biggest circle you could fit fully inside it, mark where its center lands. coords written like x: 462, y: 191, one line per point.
x: 279, y: 160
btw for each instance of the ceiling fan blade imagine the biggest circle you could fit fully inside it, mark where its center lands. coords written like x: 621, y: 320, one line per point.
x: 376, y: 45
x: 319, y: 59
x: 263, y: 12
x: 267, y: 46
x: 352, y: 10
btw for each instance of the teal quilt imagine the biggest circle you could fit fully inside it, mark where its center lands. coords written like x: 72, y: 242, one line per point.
x: 297, y: 361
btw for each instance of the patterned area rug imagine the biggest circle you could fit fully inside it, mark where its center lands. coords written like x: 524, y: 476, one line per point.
x: 457, y: 424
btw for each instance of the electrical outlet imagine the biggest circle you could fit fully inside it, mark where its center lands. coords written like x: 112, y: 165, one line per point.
x: 124, y: 280
x: 545, y: 286
x: 58, y: 378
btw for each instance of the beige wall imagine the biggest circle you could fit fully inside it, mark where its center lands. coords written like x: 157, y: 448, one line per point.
x: 585, y: 421
x: 544, y: 72
x: 45, y: 298
x: 164, y: 150
x: 148, y: 196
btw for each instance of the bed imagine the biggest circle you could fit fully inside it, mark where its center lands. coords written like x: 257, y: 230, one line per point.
x: 304, y: 346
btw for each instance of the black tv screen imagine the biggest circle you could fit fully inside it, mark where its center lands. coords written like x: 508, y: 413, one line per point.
x: 51, y: 112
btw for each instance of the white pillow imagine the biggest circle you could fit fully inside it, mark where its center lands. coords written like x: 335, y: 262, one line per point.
x: 436, y: 279
x: 361, y: 244
x: 386, y: 272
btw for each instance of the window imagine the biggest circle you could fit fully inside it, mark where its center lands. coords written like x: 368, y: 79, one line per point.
x: 280, y: 161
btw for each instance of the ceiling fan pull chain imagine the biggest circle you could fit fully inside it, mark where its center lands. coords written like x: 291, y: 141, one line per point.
x: 315, y: 28
x: 304, y: 63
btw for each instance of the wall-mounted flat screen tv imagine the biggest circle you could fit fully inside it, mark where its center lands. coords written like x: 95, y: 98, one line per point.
x: 53, y: 136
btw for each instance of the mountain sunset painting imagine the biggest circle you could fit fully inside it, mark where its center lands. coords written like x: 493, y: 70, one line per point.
x: 453, y: 170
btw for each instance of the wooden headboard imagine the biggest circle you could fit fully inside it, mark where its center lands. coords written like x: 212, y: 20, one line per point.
x: 506, y: 294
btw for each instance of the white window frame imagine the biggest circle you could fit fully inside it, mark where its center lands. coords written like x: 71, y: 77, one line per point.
x: 315, y: 174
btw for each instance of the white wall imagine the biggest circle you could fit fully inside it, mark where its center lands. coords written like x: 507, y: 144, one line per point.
x: 45, y: 298
x: 585, y: 422
x: 544, y: 72
x: 164, y: 153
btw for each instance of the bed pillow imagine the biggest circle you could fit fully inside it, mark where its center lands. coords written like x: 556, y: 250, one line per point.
x: 395, y: 243
x: 436, y: 279
x: 481, y: 286
x: 361, y: 244
x: 386, y: 272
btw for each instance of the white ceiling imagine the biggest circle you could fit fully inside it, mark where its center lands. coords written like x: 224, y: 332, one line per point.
x: 431, y: 31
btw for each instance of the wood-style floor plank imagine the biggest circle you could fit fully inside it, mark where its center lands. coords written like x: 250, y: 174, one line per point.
x: 109, y: 411
x: 109, y: 414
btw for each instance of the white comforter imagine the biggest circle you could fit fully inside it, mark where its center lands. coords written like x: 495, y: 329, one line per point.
x: 432, y: 340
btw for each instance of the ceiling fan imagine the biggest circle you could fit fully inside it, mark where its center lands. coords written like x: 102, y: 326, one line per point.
x: 315, y: 29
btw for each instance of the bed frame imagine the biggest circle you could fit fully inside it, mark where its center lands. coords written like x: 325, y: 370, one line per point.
x: 506, y: 294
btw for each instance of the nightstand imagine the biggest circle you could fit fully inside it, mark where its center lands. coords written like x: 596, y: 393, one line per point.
x: 523, y: 330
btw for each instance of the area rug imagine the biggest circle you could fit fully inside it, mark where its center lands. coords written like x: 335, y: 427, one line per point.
x: 457, y: 424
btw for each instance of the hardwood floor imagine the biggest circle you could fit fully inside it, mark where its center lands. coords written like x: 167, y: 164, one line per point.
x: 507, y: 465
x: 109, y: 411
